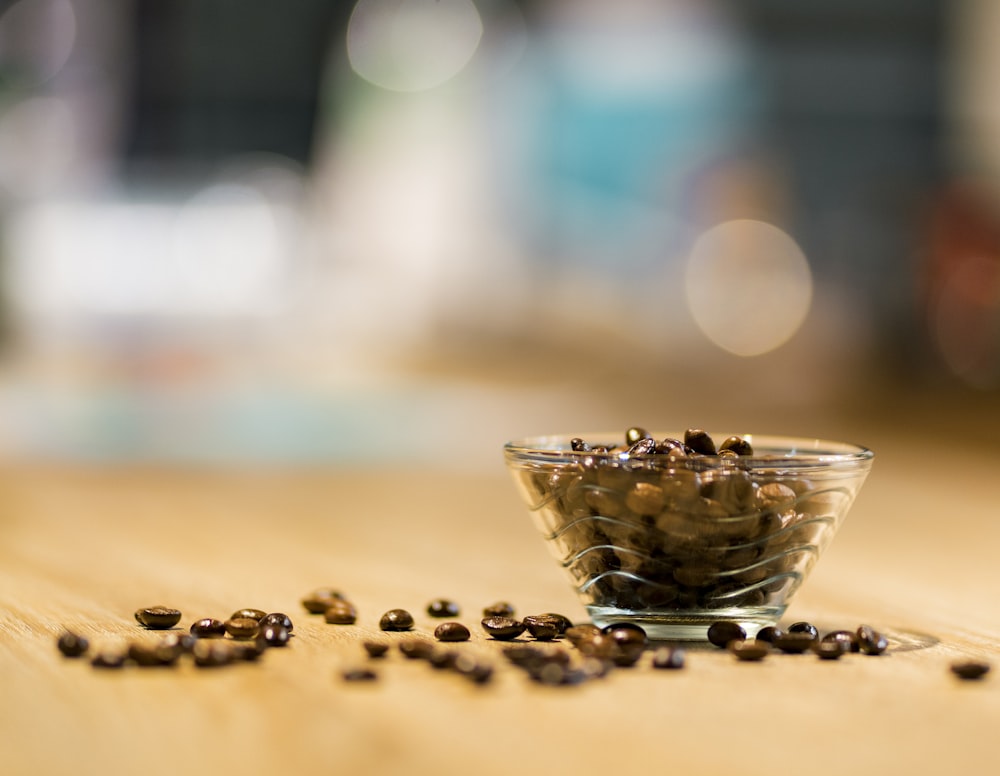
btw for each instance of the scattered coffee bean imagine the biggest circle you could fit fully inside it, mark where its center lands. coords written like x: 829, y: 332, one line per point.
x: 158, y: 617
x: 275, y: 635
x: 72, y: 644
x: 636, y: 434
x: 320, y: 599
x: 442, y: 607
x: 396, y: 620
x: 280, y: 619
x: 750, y: 650
x: 769, y: 633
x: 970, y: 669
x: 472, y: 669
x: 416, y: 649
x: 211, y: 653
x: 668, y: 657
x: 108, y: 658
x: 737, y: 445
x: 794, y: 643
x: 248, y: 651
x: 183, y: 643
x: 829, y: 650
x: 499, y: 609
x: 375, y: 648
x: 543, y: 627
x: 242, y: 627
x: 340, y: 612
x: 147, y: 655
x: 699, y: 441
x: 503, y: 628
x: 250, y: 614
x: 358, y: 675
x: 629, y: 643
x: 208, y: 628
x: 451, y: 631
x: 848, y: 638
x: 443, y: 659
x: 804, y: 627
x: 722, y: 632
x: 870, y: 641
x: 580, y: 633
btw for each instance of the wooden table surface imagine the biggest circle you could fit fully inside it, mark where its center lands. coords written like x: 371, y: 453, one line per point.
x: 83, y: 548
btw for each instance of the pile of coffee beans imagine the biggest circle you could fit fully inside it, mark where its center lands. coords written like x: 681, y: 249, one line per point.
x: 209, y: 642
x: 680, y: 525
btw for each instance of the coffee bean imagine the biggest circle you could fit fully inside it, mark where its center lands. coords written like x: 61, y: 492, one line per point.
x: 769, y: 633
x: 804, y: 627
x: 472, y: 669
x: 358, y: 675
x: 275, y: 635
x: 668, y: 657
x: 451, y: 631
x: 503, y: 628
x: 629, y: 643
x: 499, y: 609
x: 320, y: 599
x: 443, y: 659
x: 829, y: 650
x: 416, y: 649
x: 751, y: 650
x: 210, y: 653
x: 208, y: 628
x: 970, y: 669
x: 442, y: 607
x: 579, y: 633
x: 340, y: 612
x: 794, y: 643
x: 181, y: 642
x: 737, y: 445
x: 848, y: 638
x: 636, y: 434
x: 242, y: 627
x: 646, y: 446
x: 722, y: 632
x: 547, y: 623
x: 277, y: 618
x: 396, y: 620
x: 158, y: 617
x: 699, y: 441
x: 375, y: 648
x: 599, y: 645
x: 577, y: 445
x: 72, y: 644
x: 870, y: 641
x: 147, y: 655
x: 108, y: 658
x: 250, y: 614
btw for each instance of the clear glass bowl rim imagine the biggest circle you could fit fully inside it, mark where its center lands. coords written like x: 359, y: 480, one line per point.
x: 788, y: 452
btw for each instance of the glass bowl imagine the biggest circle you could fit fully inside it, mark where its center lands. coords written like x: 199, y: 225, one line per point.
x: 674, y: 541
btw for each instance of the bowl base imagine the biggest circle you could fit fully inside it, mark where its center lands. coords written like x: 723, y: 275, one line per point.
x: 689, y: 625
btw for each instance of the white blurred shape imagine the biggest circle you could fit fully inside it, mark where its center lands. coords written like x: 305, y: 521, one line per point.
x: 412, y: 45
x: 748, y: 286
x: 37, y: 145
x: 36, y: 40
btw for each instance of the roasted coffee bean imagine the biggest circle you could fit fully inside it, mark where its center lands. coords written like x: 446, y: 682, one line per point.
x: 250, y: 614
x: 870, y: 641
x: 577, y: 445
x: 248, y: 651
x: 277, y: 618
x: 416, y: 649
x: 158, y: 617
x: 147, y: 655
x: 375, y: 648
x: 541, y: 627
x: 769, y: 633
x: 210, y: 653
x: 503, y: 628
x: 970, y: 669
x: 108, y: 658
x: 636, y: 434
x: 442, y: 607
x: 751, y: 650
x: 396, y: 620
x: 208, y: 628
x: 848, y: 638
x: 794, y: 643
x: 737, y: 445
x: 72, y: 644
x: 472, y: 669
x: 358, y: 675
x: 699, y: 441
x: 629, y: 643
x: 443, y: 658
x: 722, y: 632
x: 499, y: 609
x: 579, y: 633
x: 183, y: 643
x: 275, y: 635
x: 560, y: 622
x: 340, y: 612
x: 320, y: 599
x: 804, y: 627
x: 242, y: 627
x: 451, y: 631
x: 646, y: 446
x: 829, y: 650
x: 668, y: 657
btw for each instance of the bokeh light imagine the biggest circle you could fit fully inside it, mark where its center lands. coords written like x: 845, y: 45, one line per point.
x: 748, y: 286
x: 36, y: 41
x: 412, y: 45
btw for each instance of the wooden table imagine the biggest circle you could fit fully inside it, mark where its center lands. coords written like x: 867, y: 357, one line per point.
x: 84, y: 548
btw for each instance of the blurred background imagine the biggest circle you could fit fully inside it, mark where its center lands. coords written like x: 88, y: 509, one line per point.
x: 335, y: 231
